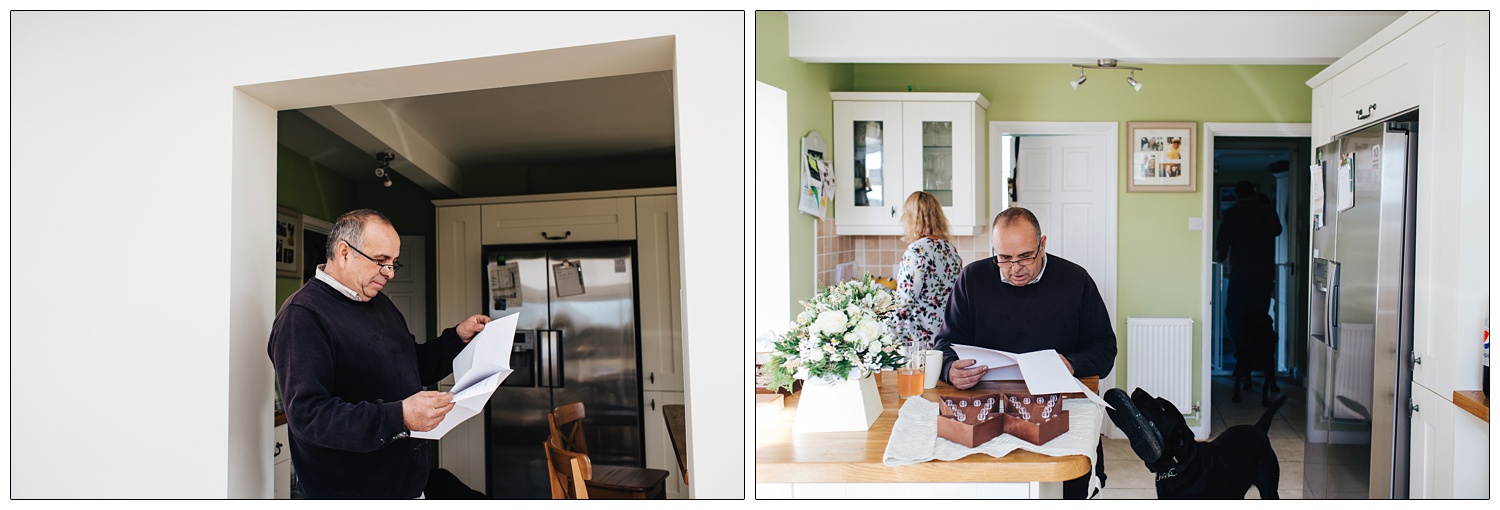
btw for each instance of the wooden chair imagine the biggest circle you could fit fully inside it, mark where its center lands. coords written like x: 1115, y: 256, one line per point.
x: 604, y: 482
x: 566, y: 472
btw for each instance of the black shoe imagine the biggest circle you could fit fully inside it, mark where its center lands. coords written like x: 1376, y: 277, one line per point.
x: 1235, y: 397
x: 1144, y: 438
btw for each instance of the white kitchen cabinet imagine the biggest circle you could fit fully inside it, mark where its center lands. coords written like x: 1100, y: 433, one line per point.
x: 1387, y: 82
x: 888, y: 145
x: 1439, y: 64
x: 282, y: 464
x: 563, y: 221
x: 1431, y: 445
x: 659, y: 452
x: 660, y: 286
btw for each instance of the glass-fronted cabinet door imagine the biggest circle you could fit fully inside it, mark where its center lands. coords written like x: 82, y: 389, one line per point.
x: 944, y: 159
x: 868, y: 155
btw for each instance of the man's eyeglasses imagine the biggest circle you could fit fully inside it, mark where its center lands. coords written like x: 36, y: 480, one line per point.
x: 1019, y: 261
x: 394, y: 266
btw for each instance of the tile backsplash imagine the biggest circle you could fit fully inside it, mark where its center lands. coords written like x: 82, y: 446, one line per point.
x: 877, y: 255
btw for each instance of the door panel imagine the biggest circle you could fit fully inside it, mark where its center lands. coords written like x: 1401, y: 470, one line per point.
x: 1061, y: 179
x: 596, y: 334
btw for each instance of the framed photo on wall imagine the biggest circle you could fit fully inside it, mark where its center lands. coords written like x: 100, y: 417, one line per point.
x: 1161, y: 156
x: 288, y: 243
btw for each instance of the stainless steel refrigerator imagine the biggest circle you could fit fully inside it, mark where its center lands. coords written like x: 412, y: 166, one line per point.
x: 576, y: 341
x: 1360, y: 315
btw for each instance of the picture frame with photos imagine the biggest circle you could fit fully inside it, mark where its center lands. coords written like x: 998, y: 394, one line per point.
x: 288, y: 243
x: 1161, y: 157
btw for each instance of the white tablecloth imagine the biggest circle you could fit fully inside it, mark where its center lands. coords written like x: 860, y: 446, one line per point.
x: 914, y: 437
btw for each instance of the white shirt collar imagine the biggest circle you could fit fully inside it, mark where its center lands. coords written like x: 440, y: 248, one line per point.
x: 1033, y: 280
x: 346, y: 291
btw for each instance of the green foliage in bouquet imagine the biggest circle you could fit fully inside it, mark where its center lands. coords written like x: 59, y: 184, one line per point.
x: 844, y: 328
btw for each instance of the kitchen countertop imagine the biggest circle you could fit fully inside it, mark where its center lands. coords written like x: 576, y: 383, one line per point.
x: 784, y: 457
x: 1473, y: 401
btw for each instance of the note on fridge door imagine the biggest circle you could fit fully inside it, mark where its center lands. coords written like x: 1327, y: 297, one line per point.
x: 477, y: 372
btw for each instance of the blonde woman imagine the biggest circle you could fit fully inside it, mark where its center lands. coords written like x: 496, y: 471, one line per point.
x: 928, y: 269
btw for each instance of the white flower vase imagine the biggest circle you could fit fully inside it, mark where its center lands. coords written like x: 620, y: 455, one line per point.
x: 845, y: 405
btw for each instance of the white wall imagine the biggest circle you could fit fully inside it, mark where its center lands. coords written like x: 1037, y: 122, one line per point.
x: 140, y: 175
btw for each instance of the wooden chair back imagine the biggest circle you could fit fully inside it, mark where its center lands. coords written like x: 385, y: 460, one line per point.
x: 566, y: 472
x: 566, y: 427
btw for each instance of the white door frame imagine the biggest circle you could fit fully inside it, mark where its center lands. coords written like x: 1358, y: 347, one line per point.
x: 1110, y: 132
x: 1211, y: 130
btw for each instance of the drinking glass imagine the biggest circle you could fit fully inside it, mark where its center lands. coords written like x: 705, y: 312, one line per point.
x: 912, y: 375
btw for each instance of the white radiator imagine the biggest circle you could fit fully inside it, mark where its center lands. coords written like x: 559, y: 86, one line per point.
x: 1159, y: 358
x: 1353, y: 374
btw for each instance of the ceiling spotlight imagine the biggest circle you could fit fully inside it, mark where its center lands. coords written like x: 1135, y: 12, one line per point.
x: 1107, y: 63
x: 383, y: 171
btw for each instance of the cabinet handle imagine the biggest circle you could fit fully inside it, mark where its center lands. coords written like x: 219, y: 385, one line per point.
x: 893, y: 212
x: 653, y: 404
x: 278, y: 450
x: 556, y: 238
x: 1414, y: 407
x: 1415, y: 360
x: 653, y: 377
x: 1361, y: 115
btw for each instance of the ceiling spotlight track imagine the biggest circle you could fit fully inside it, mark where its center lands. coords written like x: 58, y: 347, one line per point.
x: 1106, y: 63
x: 383, y: 171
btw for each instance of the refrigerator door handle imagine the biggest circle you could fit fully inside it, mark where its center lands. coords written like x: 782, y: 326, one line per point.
x: 1332, y: 303
x: 557, y: 358
x: 544, y: 369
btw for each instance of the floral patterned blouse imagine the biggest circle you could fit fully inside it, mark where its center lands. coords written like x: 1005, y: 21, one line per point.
x: 928, y: 270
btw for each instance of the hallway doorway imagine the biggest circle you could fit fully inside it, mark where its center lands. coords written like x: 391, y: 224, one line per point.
x: 1270, y: 166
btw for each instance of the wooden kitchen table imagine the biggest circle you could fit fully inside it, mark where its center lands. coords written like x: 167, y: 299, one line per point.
x: 850, y: 464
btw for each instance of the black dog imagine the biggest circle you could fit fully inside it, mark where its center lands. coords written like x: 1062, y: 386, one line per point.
x: 1255, y: 348
x: 1186, y: 469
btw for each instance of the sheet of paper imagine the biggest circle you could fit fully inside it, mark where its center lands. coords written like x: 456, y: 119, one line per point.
x: 477, y: 372
x: 1042, y: 371
x: 568, y: 277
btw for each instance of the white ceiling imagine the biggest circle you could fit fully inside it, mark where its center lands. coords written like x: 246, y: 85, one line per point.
x: 1135, y: 37
x: 593, y: 102
x: 595, y: 106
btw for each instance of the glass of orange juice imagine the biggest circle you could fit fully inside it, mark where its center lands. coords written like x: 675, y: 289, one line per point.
x: 911, y: 376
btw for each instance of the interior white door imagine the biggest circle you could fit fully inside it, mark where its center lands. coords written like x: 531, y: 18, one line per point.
x: 1063, y: 180
x: 408, y: 290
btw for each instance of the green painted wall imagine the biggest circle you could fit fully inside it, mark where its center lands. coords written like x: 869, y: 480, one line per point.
x: 312, y: 189
x: 1160, y: 260
x: 809, y: 108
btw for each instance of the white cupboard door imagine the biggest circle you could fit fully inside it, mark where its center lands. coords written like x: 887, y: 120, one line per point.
x: 661, y: 319
x: 282, y: 462
x: 939, y: 157
x: 459, y: 280
x: 659, y: 452
x: 1064, y: 181
x: 867, y: 164
x: 1431, y: 445
x: 564, y: 221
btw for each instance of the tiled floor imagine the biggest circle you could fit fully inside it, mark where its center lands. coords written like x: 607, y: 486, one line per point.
x: 1128, y: 477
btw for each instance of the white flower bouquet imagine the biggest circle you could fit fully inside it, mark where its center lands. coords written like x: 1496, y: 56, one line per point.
x: 846, y: 327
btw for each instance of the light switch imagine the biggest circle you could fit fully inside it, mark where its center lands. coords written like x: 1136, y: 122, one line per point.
x: 1195, y: 223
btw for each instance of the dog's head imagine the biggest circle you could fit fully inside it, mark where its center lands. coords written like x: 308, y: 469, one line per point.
x: 1176, y: 437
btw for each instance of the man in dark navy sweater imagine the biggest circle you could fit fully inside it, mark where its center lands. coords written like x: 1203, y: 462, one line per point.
x: 351, y: 374
x: 1023, y: 300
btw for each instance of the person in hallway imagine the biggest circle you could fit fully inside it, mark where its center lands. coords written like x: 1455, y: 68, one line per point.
x: 1024, y: 300
x: 351, y: 375
x: 1247, y: 247
x: 928, y: 270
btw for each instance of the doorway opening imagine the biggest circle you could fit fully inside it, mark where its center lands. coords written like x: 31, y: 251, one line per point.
x: 1276, y: 167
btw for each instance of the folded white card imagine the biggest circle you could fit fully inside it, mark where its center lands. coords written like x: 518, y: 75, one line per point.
x: 477, y: 372
x: 1043, y: 371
